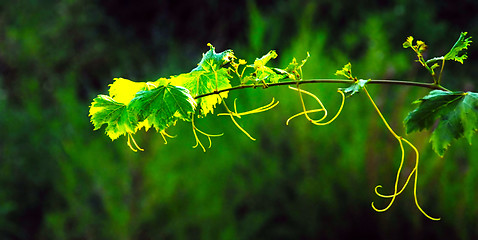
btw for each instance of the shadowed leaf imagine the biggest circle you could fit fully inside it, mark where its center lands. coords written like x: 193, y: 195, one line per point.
x: 457, y: 113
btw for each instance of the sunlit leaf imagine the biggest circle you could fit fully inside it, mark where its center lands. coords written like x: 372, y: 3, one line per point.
x: 123, y: 90
x: 261, y: 62
x: 105, y: 110
x: 457, y: 113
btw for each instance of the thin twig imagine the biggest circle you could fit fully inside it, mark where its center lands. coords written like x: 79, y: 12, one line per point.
x: 343, y: 81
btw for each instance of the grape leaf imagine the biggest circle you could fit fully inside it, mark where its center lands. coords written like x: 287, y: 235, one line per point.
x: 212, y: 61
x: 105, y: 110
x: 210, y: 75
x: 265, y: 74
x: 461, y: 44
x: 294, y: 69
x: 269, y: 75
x: 355, y: 87
x: 162, y: 106
x: 457, y: 113
x: 202, y: 82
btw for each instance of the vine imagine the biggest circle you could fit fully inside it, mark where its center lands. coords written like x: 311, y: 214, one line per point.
x: 131, y: 106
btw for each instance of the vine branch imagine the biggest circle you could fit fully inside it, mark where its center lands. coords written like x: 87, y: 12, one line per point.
x: 348, y: 81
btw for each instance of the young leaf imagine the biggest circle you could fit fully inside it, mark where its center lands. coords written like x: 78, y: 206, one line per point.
x: 261, y: 62
x: 212, y: 61
x: 408, y: 43
x: 105, y: 110
x: 358, y: 85
x: 162, y: 106
x: 269, y: 75
x: 355, y: 87
x: 461, y: 44
x: 421, y: 46
x: 346, y: 71
x: 265, y: 74
x: 208, y: 76
x: 294, y: 69
x: 457, y: 113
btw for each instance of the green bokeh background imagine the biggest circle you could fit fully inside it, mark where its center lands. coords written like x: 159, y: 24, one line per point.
x: 59, y: 179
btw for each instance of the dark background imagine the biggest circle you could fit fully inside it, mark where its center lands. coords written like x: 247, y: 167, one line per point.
x: 59, y: 179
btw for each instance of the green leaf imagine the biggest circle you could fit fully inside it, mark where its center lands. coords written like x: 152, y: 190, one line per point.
x: 294, y: 69
x: 457, y: 113
x: 105, y: 110
x: 265, y: 74
x: 162, y: 106
x: 461, y: 44
x: 261, y: 62
x: 212, y: 61
x: 355, y: 87
x: 269, y: 75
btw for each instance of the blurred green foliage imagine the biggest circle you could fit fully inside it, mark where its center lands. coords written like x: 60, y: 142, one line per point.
x: 59, y: 179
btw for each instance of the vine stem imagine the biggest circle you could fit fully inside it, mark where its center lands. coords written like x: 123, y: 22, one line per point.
x: 348, y: 81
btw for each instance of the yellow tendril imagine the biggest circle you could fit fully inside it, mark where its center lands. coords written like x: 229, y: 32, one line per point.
x: 395, y: 194
x: 232, y: 115
x: 416, y: 180
x: 164, y: 134
x: 414, y: 171
x: 198, y: 142
x: 130, y: 138
x: 257, y: 110
x: 338, y: 112
x: 303, y: 113
x: 306, y: 112
x: 399, y: 192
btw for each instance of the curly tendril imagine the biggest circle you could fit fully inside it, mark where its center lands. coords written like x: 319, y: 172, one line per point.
x: 131, y: 139
x: 231, y: 114
x: 400, y: 140
x: 257, y: 110
x: 238, y: 115
x: 306, y: 112
x: 198, y: 142
x: 164, y: 134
